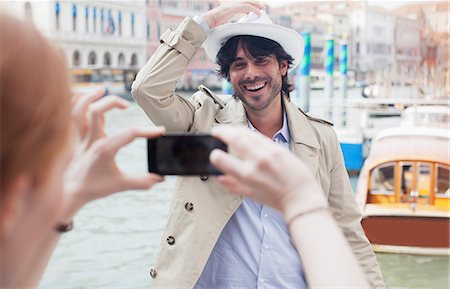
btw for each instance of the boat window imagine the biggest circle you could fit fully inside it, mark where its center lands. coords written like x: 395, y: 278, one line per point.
x: 424, y: 182
x: 382, y: 180
x: 442, y: 181
x: 407, y: 181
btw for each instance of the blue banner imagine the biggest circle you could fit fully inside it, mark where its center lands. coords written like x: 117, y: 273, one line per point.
x: 305, y: 65
x: 329, y: 57
x: 343, y: 59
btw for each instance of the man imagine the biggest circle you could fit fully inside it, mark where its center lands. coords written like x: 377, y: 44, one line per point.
x: 214, y: 239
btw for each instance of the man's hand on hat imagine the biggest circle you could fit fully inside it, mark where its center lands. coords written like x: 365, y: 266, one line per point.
x: 223, y: 13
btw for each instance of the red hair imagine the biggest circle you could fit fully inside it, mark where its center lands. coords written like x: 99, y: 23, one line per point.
x: 34, y: 103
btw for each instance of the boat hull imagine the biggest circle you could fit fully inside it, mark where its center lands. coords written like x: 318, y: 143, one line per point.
x: 408, y: 231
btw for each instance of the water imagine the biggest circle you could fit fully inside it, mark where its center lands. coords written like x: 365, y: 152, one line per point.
x: 115, y: 240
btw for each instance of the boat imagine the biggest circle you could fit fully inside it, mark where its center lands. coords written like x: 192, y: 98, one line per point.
x: 403, y: 188
x: 366, y: 118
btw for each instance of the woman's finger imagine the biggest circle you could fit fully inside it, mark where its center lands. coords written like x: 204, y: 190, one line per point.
x: 107, y: 103
x: 85, y: 100
x: 139, y: 183
x: 234, y: 186
x: 123, y: 138
x: 228, y: 164
x: 241, y: 140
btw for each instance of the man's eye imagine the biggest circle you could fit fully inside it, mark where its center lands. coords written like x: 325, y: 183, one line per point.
x: 262, y: 61
x: 238, y: 65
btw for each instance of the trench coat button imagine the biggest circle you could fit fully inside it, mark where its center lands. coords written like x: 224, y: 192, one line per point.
x: 189, y: 207
x: 203, y: 177
x: 170, y: 240
x: 153, y: 273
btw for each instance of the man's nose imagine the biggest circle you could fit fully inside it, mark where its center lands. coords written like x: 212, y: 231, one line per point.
x: 252, y: 71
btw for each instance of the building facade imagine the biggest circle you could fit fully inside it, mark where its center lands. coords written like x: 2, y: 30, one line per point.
x: 165, y: 14
x: 91, y: 34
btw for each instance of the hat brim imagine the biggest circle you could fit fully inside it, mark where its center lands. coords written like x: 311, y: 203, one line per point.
x: 290, y: 40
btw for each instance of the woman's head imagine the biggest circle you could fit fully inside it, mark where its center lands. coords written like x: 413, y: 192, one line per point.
x: 35, y: 130
x: 34, y: 101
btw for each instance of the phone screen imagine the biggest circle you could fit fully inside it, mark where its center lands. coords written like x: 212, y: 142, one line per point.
x: 183, y: 154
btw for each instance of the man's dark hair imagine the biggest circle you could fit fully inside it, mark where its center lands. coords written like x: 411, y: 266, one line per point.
x: 254, y: 47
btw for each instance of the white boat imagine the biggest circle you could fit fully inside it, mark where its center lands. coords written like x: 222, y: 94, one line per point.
x: 403, y: 191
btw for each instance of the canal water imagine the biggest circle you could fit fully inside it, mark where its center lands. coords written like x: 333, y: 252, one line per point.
x: 115, y: 240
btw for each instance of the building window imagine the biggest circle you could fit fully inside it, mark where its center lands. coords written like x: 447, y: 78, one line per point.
x: 120, y: 23
x: 74, y: 17
x: 121, y: 60
x: 357, y: 47
x: 57, y: 12
x: 107, y: 59
x: 111, y: 26
x: 87, y: 18
x: 94, y: 23
x: 148, y: 30
x: 92, y: 58
x: 102, y: 20
x: 76, y: 58
x: 132, y: 24
x: 134, y: 60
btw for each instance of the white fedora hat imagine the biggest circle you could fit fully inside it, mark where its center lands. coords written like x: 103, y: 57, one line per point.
x: 262, y: 26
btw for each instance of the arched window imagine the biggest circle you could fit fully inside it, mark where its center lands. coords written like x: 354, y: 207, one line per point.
x: 76, y: 58
x: 107, y: 59
x: 134, y: 60
x: 92, y: 58
x: 121, y: 60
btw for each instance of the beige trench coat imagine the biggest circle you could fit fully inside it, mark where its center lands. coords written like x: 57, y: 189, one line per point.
x: 201, y: 207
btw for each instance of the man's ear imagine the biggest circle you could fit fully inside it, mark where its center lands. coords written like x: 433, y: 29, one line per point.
x: 284, y: 67
x: 14, y: 203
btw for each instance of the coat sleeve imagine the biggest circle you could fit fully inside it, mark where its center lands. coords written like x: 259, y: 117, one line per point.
x: 154, y: 86
x: 348, y: 216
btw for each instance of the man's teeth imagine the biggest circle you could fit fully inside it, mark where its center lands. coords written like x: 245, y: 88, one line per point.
x: 256, y: 87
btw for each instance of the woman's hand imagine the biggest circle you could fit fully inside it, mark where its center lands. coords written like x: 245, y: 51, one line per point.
x: 264, y: 171
x: 93, y: 172
x: 223, y: 13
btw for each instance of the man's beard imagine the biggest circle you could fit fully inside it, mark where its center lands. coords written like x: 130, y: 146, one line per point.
x: 276, y: 89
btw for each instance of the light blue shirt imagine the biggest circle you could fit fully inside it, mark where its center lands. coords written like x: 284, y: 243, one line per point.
x: 254, y: 249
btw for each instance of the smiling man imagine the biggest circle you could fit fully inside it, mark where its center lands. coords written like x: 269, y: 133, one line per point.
x: 214, y: 239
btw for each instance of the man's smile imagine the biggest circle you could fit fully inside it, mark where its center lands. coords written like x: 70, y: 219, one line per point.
x: 255, y: 86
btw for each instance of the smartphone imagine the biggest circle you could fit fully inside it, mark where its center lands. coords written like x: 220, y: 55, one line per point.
x: 182, y: 154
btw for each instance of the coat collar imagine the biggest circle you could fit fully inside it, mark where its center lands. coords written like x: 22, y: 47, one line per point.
x: 300, y: 127
x: 304, y: 142
x: 301, y: 130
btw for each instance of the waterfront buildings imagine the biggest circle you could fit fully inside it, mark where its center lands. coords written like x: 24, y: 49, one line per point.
x: 406, y: 44
x: 91, y: 34
x: 167, y: 14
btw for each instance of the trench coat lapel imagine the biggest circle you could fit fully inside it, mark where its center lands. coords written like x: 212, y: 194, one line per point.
x: 304, y: 143
x: 232, y: 113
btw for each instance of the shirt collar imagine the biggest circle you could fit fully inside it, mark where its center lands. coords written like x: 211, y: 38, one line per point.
x: 282, y: 135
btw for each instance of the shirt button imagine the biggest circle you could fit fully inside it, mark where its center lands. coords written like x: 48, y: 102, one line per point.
x: 189, y: 207
x: 261, y: 280
x: 153, y: 273
x: 265, y: 215
x: 203, y: 177
x: 266, y: 247
x: 170, y: 240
